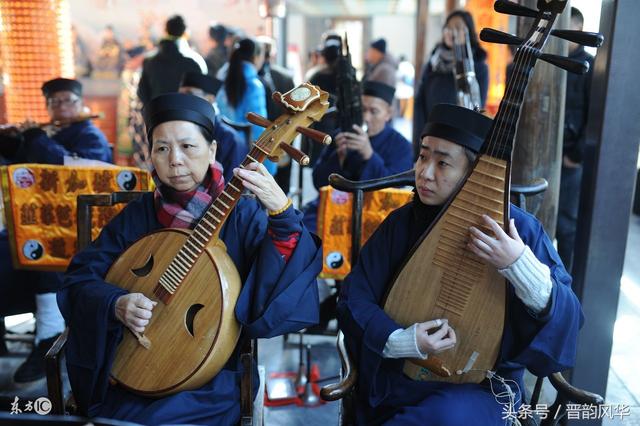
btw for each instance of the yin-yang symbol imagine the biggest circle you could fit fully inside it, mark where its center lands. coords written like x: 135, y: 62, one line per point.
x: 335, y: 259
x: 33, y: 250
x: 127, y: 180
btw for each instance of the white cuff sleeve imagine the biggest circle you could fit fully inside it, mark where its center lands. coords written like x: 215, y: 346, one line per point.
x: 531, y: 280
x: 403, y: 344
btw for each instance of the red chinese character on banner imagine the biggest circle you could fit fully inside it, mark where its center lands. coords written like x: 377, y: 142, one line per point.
x: 74, y: 183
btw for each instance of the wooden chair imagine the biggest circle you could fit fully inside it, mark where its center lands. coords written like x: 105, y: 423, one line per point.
x: 250, y: 414
x: 344, y: 389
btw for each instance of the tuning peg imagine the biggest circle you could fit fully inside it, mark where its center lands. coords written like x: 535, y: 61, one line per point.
x: 490, y: 35
x: 295, y: 154
x: 258, y: 120
x: 315, y: 135
x: 511, y: 8
x: 571, y: 65
x: 581, y: 37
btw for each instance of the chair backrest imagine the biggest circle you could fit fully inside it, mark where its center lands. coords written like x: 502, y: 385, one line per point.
x: 84, y: 210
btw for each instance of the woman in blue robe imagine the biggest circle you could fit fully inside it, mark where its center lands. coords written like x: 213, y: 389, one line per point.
x: 277, y: 259
x: 543, y: 313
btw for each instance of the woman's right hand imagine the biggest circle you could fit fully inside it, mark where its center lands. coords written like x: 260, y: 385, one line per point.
x: 432, y: 343
x: 134, y: 311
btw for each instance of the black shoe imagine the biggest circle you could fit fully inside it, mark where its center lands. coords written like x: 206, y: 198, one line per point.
x: 33, y: 368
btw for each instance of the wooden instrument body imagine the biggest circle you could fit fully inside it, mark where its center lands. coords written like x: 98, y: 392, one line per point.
x: 204, y: 305
x: 442, y: 279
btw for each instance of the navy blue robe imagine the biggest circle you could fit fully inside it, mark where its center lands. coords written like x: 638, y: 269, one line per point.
x: 276, y: 298
x: 543, y: 343
x: 83, y: 139
x: 391, y: 155
x: 231, y: 148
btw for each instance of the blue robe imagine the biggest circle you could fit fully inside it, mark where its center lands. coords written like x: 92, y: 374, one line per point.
x: 391, y: 155
x: 83, y: 139
x: 543, y: 343
x: 231, y: 148
x: 276, y: 298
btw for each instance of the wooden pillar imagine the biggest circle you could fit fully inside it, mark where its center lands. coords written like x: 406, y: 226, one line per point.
x: 36, y: 47
x: 538, y: 146
x: 422, y: 19
x: 607, y: 190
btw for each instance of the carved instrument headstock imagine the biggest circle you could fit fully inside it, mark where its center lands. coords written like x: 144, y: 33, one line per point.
x: 304, y: 105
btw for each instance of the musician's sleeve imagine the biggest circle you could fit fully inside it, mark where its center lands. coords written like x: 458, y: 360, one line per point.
x: 546, y: 342
x: 87, y: 304
x: 482, y: 75
x: 277, y: 296
x: 365, y: 324
x: 394, y: 158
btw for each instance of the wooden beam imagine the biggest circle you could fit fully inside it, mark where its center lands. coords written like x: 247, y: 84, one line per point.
x: 422, y: 19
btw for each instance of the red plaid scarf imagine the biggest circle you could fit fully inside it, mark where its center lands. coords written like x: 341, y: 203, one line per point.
x: 175, y: 209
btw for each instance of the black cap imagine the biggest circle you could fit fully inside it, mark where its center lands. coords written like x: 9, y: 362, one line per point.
x: 179, y: 107
x: 379, y: 90
x: 203, y: 82
x: 59, y: 84
x: 380, y: 45
x: 459, y: 125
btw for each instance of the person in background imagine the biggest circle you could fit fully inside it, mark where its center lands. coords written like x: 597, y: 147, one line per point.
x: 243, y: 92
x: 575, y: 123
x: 231, y: 148
x: 437, y: 83
x: 47, y: 146
x: 381, y: 65
x: 163, y: 69
x: 218, y: 54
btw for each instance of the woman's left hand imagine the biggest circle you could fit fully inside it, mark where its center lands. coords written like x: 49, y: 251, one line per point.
x: 499, y: 251
x: 257, y: 179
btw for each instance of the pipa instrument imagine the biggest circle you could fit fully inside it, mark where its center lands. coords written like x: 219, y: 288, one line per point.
x: 441, y: 278
x: 193, y: 330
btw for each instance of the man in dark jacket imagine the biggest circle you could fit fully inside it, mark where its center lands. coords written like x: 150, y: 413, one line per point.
x: 162, y: 71
x: 575, y: 120
x: 48, y: 145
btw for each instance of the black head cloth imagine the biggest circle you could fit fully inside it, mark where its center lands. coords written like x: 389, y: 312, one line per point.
x: 459, y: 125
x: 379, y: 90
x: 179, y: 107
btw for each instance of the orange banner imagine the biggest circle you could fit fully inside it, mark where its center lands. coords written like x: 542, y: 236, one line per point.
x: 40, y: 208
x: 334, y: 223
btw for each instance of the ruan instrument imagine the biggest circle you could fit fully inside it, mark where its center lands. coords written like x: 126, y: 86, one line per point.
x: 193, y: 330
x: 441, y: 278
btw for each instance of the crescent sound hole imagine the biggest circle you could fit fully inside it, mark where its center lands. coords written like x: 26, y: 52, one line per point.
x: 144, y: 270
x: 191, y: 314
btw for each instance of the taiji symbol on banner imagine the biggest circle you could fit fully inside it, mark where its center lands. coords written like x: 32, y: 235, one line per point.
x: 32, y: 249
